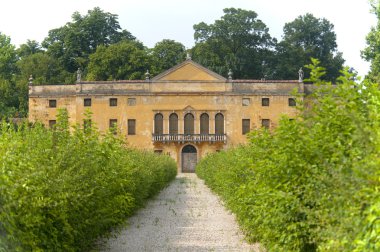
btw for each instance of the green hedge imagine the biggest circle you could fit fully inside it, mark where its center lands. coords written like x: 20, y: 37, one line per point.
x: 60, y: 191
x: 311, y: 184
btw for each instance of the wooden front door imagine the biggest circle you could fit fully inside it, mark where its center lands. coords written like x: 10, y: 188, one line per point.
x: 189, y: 158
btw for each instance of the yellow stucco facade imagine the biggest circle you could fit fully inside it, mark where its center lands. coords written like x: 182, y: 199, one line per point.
x: 185, y: 112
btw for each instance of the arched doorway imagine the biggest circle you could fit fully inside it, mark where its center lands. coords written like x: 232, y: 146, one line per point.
x: 189, y: 158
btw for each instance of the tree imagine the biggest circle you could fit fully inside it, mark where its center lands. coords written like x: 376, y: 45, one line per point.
x: 124, y: 60
x: 167, y: 54
x: 73, y: 43
x: 304, y: 38
x: 8, y: 57
x: 8, y: 91
x: 372, y: 52
x: 238, y: 41
x: 31, y: 47
x: 44, y: 69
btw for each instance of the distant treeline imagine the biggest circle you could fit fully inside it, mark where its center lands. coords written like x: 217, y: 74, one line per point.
x: 96, y: 44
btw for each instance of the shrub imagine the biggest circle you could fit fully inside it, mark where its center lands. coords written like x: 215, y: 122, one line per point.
x: 309, y: 184
x: 59, y: 191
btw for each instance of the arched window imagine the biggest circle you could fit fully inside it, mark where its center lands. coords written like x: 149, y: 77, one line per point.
x: 173, y: 124
x: 219, y: 124
x: 204, y: 124
x: 158, y: 124
x: 189, y: 124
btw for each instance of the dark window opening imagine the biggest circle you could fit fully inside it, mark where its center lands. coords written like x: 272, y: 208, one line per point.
x: 159, y: 152
x: 173, y: 124
x: 52, y: 123
x: 52, y: 103
x: 265, y: 102
x: 158, y: 124
x: 292, y: 102
x: 219, y: 124
x: 87, y: 102
x: 189, y: 124
x: 113, y: 102
x: 204, y: 124
x: 131, y: 127
x: 246, y: 126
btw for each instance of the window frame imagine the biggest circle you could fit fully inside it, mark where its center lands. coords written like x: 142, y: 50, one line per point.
x: 173, y: 124
x: 113, y: 102
x: 219, y: 124
x: 53, y: 103
x: 52, y: 123
x: 87, y: 102
x: 265, y: 101
x: 292, y: 102
x: 204, y: 126
x: 188, y: 124
x: 131, y: 123
x: 264, y: 124
x: 158, y: 124
x: 245, y: 126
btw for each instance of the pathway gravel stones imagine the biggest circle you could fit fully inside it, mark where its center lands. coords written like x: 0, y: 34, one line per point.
x: 185, y: 216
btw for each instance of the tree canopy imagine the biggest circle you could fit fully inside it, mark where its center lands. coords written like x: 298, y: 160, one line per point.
x: 372, y: 51
x: 166, y: 54
x: 74, y: 42
x: 304, y: 38
x: 124, y: 60
x: 238, y: 41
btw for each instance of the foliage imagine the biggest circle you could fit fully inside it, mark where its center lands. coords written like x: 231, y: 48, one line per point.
x: 124, y: 60
x: 31, y: 47
x: 8, y: 57
x: 372, y: 52
x: 306, y: 37
x: 166, y: 54
x: 310, y: 185
x: 73, y: 43
x: 59, y: 191
x: 238, y: 41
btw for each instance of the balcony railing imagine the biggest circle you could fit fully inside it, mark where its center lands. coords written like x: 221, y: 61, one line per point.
x: 181, y: 138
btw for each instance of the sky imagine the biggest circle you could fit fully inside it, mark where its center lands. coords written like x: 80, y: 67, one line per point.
x: 153, y: 20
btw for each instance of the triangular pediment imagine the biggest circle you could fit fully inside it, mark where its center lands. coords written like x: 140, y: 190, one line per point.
x: 188, y: 108
x: 189, y: 71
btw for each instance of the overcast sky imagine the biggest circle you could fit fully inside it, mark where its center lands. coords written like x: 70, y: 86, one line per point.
x: 153, y: 20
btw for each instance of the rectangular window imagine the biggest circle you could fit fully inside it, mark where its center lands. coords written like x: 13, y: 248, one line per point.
x: 246, y: 126
x: 113, y: 125
x: 113, y: 102
x: 52, y: 103
x: 246, y: 101
x: 87, y: 124
x: 159, y: 152
x: 265, y: 102
x: 131, y: 127
x: 265, y: 123
x: 131, y: 102
x: 292, y: 102
x: 87, y: 102
x: 52, y: 123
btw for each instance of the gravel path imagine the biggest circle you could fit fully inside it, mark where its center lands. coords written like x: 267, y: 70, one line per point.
x: 185, y: 216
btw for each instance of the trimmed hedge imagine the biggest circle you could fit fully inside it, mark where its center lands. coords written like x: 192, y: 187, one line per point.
x: 311, y: 184
x: 60, y: 191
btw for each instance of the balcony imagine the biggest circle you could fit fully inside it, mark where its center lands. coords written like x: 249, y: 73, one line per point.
x: 195, y: 138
